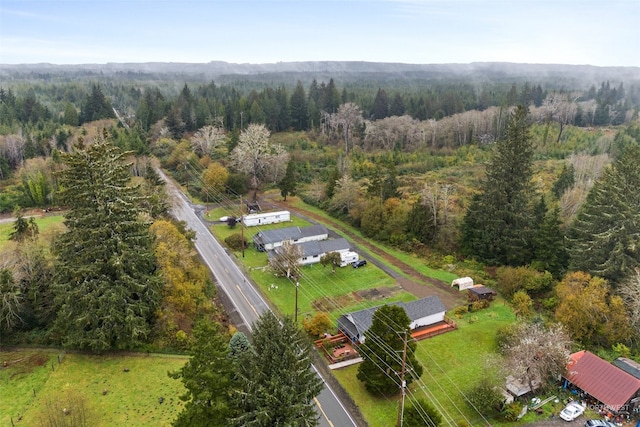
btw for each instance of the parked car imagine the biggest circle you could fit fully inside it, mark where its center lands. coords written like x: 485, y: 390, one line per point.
x: 572, y: 411
x: 599, y: 423
x: 359, y: 263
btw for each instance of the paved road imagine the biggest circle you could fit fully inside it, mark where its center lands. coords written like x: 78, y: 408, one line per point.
x: 248, y: 303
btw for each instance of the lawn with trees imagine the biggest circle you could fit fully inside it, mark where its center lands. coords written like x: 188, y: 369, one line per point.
x: 526, y: 181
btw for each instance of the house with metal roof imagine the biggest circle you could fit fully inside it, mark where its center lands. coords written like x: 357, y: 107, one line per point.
x: 423, y: 312
x: 313, y: 251
x: 270, y: 239
x: 616, y: 389
x: 628, y: 365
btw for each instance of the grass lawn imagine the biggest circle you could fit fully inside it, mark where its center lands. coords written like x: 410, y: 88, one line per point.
x: 44, y: 223
x: 452, y: 363
x: 319, y: 289
x: 131, y: 399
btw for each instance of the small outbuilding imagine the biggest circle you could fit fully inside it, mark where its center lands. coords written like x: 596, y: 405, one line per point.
x: 481, y: 292
x: 463, y: 283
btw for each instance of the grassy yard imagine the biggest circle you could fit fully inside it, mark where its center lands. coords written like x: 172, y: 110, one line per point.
x: 44, y: 223
x: 319, y: 289
x: 98, y: 384
x: 453, y: 363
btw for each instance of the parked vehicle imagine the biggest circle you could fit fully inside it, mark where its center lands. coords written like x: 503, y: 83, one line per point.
x: 359, y: 263
x: 599, y: 423
x: 572, y: 411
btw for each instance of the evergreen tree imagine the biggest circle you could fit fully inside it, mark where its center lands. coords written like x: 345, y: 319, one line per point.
x: 96, y: 106
x: 382, y: 352
x: 106, y: 284
x: 605, y: 237
x: 397, y: 106
x: 565, y: 180
x: 420, y: 413
x: 497, y: 226
x: 550, y: 248
x: 288, y: 183
x: 274, y: 384
x: 299, y: 108
x: 238, y: 345
x: 380, y: 108
x: 207, y: 378
x: 420, y: 223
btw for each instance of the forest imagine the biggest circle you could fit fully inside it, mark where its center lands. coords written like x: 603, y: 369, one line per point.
x: 527, y: 180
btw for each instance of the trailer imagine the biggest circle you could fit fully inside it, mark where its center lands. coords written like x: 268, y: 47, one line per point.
x: 346, y: 258
x: 252, y: 220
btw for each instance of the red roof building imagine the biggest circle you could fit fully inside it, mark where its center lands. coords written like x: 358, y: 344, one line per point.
x: 616, y: 389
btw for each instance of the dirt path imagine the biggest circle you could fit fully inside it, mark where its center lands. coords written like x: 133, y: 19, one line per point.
x: 411, y: 280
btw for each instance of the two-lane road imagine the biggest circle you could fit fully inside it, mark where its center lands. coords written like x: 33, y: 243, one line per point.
x: 247, y: 301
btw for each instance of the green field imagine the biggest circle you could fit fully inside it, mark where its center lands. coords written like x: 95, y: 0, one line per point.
x: 35, y: 385
x: 453, y: 363
x: 45, y: 223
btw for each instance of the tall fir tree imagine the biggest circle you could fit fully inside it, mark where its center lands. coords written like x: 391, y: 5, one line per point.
x: 382, y: 352
x: 605, y: 237
x: 497, y: 227
x: 106, y: 284
x: 206, y: 378
x: 299, y: 108
x: 274, y: 383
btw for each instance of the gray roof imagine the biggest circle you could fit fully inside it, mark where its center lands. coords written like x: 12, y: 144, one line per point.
x: 628, y: 365
x: 288, y: 233
x: 417, y: 309
x: 315, y: 248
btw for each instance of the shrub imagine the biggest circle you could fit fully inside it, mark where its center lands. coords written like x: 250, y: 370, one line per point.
x: 512, y: 411
x: 460, y: 310
x: 235, y: 242
x: 479, y: 305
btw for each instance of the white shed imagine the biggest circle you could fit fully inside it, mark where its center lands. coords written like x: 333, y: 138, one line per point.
x: 463, y: 283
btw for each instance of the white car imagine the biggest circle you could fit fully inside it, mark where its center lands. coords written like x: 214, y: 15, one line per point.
x: 572, y: 411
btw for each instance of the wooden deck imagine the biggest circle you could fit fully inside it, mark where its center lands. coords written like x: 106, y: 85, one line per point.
x: 433, y: 330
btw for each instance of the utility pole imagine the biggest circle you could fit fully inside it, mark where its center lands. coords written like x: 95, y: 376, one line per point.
x: 402, y: 381
x: 241, y: 227
x: 296, y: 312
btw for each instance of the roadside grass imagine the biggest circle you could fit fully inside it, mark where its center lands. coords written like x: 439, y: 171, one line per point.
x: 453, y: 364
x: 132, y: 398
x: 44, y: 223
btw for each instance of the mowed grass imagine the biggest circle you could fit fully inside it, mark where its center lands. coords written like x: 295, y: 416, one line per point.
x: 110, y: 395
x: 319, y: 289
x: 453, y: 364
x: 44, y: 223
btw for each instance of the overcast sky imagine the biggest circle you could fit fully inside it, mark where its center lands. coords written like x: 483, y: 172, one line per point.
x: 595, y: 32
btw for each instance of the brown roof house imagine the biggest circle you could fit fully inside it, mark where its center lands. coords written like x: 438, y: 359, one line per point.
x: 616, y: 389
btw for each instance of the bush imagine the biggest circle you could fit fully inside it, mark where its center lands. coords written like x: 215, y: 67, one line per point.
x: 235, y: 242
x: 460, y: 310
x: 512, y: 411
x: 479, y: 305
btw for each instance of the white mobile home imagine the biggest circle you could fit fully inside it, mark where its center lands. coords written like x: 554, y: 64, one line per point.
x: 265, y: 218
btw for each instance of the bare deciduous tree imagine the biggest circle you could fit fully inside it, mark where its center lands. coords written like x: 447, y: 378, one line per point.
x: 629, y: 290
x: 257, y: 157
x: 206, y: 139
x: 286, y: 260
x: 346, y: 193
x: 535, y: 353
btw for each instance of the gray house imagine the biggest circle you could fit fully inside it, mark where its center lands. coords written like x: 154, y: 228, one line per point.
x: 423, y: 312
x: 270, y: 239
x: 313, y: 251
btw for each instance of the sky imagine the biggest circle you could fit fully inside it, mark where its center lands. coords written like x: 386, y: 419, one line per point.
x: 594, y: 32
